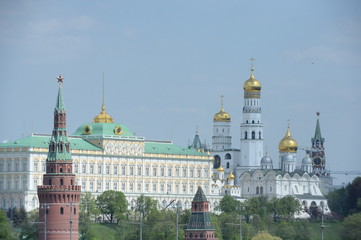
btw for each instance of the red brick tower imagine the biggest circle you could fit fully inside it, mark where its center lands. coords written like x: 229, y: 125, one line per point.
x: 200, y: 225
x: 59, y: 196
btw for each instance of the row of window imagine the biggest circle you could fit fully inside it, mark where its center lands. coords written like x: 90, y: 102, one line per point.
x: 13, y: 166
x: 13, y: 185
x: 137, y: 170
x: 153, y: 187
x: 253, y: 135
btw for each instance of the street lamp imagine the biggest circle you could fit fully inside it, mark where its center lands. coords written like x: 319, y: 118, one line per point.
x: 45, y: 208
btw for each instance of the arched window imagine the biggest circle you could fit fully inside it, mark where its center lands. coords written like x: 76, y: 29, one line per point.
x: 50, y: 181
x: 228, y: 156
x: 245, y: 135
x: 217, y: 162
x: 61, y: 170
x: 259, y: 135
x: 61, y: 182
x: 74, y: 211
x: 228, y: 165
x: 71, y: 182
x: 246, y: 121
x: 261, y: 190
x: 257, y: 190
x: 253, y: 135
x: 61, y: 210
x: 252, y: 121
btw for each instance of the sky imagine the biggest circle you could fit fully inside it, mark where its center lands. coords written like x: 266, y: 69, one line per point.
x: 166, y: 63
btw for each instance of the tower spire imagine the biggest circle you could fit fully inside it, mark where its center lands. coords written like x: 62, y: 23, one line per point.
x: 318, y: 128
x: 60, y: 103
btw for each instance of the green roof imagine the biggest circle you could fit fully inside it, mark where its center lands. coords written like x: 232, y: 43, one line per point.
x: 169, y: 148
x: 42, y: 141
x: 59, y: 101
x: 103, y: 129
x: 200, y: 197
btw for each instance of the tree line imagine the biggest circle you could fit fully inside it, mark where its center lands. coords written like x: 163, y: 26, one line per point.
x: 257, y: 218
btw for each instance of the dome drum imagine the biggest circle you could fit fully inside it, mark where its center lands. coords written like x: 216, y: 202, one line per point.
x: 252, y: 94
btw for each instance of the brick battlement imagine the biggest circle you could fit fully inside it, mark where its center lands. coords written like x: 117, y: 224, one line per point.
x: 59, y: 188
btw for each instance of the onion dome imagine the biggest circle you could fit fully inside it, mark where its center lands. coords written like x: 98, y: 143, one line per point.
x: 252, y: 84
x: 103, y: 117
x: 288, y: 158
x: 266, y: 160
x: 288, y: 144
x: 231, y: 176
x: 307, y: 160
x: 222, y: 116
x: 220, y: 169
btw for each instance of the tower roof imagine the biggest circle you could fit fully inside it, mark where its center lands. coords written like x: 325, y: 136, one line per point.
x: 200, y: 197
x: 222, y: 116
x: 287, y: 143
x: 318, y: 135
x: 252, y: 84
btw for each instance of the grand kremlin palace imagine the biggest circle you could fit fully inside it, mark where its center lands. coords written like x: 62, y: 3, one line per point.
x: 107, y: 156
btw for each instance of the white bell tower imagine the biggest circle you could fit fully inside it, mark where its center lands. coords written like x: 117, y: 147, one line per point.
x: 251, y: 127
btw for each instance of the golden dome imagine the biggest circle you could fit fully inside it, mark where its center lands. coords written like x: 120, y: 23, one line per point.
x: 231, y: 176
x: 222, y: 116
x: 103, y: 117
x: 220, y: 169
x: 252, y: 84
x: 288, y: 144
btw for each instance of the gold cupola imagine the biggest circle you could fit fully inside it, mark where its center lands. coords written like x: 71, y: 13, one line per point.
x: 288, y: 144
x: 220, y: 169
x: 222, y: 116
x: 252, y: 84
x: 231, y: 176
x: 103, y: 117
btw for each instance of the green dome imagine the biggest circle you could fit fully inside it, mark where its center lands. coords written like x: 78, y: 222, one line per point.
x: 102, y: 129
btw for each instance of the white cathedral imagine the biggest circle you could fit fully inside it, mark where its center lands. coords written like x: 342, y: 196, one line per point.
x: 249, y: 172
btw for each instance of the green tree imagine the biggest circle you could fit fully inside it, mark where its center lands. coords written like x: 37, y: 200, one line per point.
x: 229, y: 205
x: 6, y: 230
x: 288, y: 206
x: 285, y: 230
x: 347, y: 200
x: 354, y: 195
x: 88, y: 206
x: 29, y: 230
x: 265, y: 236
x: 351, y: 227
x: 337, y: 201
x: 145, y: 205
x: 112, y: 204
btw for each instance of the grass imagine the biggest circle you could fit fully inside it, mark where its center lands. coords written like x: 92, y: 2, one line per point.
x: 331, y: 231
x: 103, y: 231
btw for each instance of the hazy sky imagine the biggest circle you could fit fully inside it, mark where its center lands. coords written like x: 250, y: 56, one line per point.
x: 167, y: 62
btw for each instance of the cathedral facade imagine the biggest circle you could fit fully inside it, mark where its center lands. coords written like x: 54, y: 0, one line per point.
x: 249, y: 172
